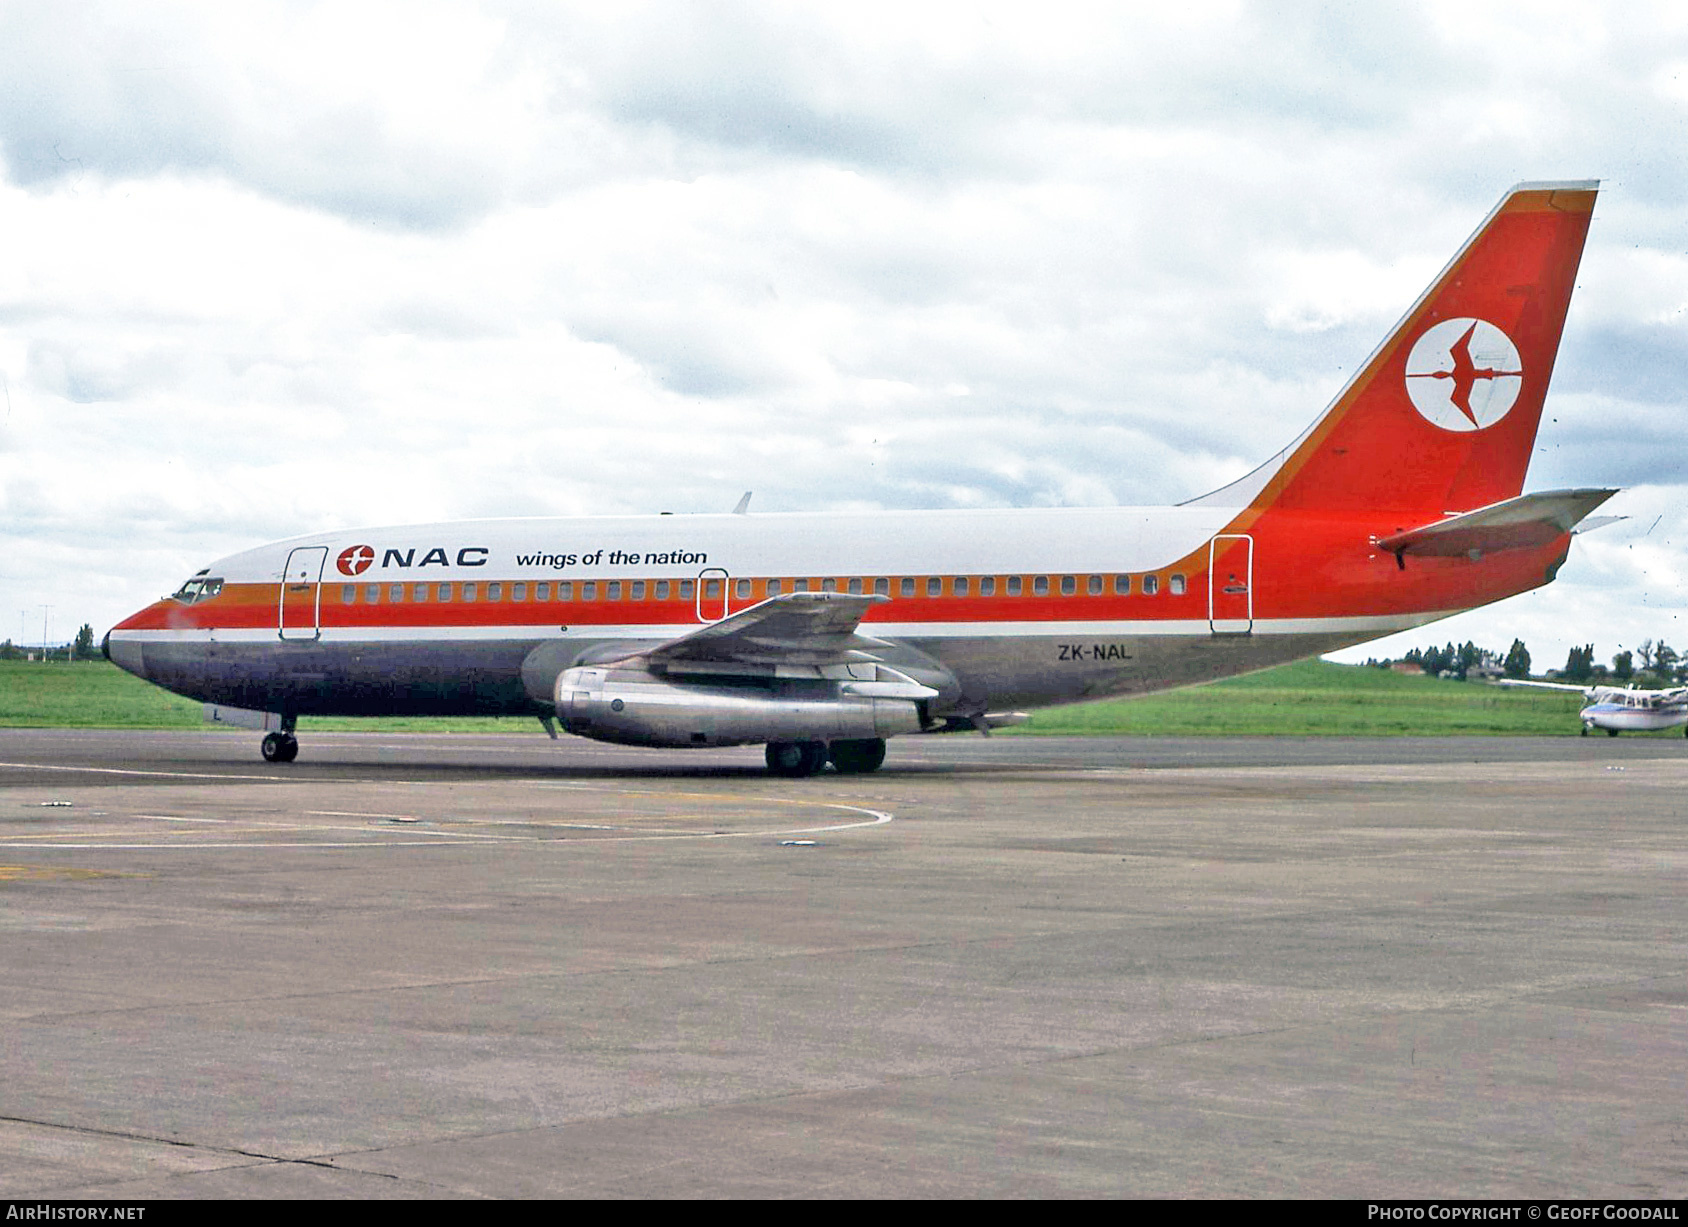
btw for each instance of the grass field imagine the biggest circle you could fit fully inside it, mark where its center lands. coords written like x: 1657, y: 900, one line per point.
x: 1309, y: 698
x: 95, y: 694
x: 1314, y: 697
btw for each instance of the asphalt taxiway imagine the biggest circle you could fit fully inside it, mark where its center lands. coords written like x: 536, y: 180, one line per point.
x: 438, y: 966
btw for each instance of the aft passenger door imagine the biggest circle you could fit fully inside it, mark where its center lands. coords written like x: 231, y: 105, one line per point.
x: 300, y: 607
x: 1230, y: 584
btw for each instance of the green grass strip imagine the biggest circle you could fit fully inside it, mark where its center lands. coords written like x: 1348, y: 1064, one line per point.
x: 1311, y: 698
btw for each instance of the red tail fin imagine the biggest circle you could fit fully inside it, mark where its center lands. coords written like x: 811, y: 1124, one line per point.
x: 1443, y: 417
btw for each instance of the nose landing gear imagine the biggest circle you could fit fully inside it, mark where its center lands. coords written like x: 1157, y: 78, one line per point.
x: 280, y: 747
x: 283, y: 746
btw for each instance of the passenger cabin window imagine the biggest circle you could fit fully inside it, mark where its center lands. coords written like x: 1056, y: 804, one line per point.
x: 638, y: 590
x: 987, y: 586
x: 1177, y: 585
x: 589, y: 590
x: 1014, y: 585
x: 855, y: 587
x: 829, y: 585
x: 773, y: 587
x: 686, y: 589
x: 1040, y: 585
x: 444, y: 592
x: 934, y: 586
x: 907, y: 588
x: 959, y: 586
x: 419, y: 592
x: 1093, y: 585
x: 518, y: 592
x: 882, y: 587
x: 395, y: 593
x: 1122, y: 585
x: 711, y: 588
x: 800, y: 585
x: 469, y: 592
x: 662, y: 590
x: 372, y: 593
x: 348, y: 594
x: 495, y: 592
x: 565, y: 591
x: 614, y: 593
x: 743, y: 589
x: 1151, y: 585
x: 1069, y: 585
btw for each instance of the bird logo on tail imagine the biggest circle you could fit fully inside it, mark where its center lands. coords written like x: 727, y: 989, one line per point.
x: 1464, y: 374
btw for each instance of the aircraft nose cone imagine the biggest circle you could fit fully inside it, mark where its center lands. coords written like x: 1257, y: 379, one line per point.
x: 125, y: 653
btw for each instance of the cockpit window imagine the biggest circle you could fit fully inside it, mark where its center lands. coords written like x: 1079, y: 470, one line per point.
x: 199, y: 588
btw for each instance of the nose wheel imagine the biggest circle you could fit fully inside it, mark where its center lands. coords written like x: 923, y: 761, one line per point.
x: 280, y: 747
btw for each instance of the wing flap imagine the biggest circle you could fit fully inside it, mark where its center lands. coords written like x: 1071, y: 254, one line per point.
x: 1518, y: 523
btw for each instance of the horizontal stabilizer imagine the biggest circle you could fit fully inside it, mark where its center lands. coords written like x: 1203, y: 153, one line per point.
x: 1518, y: 523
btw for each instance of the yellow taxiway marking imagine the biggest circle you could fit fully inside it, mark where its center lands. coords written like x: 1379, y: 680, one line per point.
x: 48, y: 873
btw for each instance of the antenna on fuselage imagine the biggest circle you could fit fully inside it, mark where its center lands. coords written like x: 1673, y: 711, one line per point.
x: 743, y: 507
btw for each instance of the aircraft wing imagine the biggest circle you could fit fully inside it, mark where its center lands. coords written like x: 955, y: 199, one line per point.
x: 1517, y: 523
x: 1515, y: 681
x: 796, y: 628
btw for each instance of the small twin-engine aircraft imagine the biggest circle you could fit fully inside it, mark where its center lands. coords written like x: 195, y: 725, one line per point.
x: 822, y: 635
x: 1617, y: 709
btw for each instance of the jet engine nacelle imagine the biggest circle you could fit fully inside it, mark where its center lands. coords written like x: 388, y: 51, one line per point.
x: 634, y: 706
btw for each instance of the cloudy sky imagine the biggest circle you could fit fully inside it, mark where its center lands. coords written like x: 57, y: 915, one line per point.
x: 276, y: 267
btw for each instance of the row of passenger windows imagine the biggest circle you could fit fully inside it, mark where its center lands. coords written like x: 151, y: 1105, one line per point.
x: 754, y: 589
x: 612, y: 590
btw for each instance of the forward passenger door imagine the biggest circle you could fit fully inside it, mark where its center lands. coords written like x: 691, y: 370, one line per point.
x: 300, y: 607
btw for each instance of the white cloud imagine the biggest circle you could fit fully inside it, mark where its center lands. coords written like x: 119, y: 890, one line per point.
x: 278, y: 266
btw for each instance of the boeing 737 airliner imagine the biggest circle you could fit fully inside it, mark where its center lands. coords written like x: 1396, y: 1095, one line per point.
x: 821, y: 636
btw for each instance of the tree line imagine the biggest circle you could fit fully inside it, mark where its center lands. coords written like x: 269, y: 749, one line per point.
x: 1653, y: 663
x: 80, y: 648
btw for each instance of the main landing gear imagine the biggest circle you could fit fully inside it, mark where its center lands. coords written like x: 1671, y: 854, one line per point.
x: 794, y: 759
x: 858, y: 757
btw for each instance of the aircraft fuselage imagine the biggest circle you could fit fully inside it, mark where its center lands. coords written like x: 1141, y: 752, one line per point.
x: 1022, y: 608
